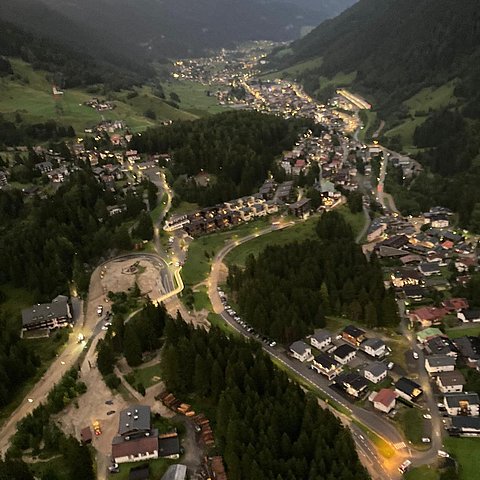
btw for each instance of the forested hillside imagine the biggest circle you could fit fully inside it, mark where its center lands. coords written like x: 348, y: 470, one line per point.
x: 67, y: 67
x: 265, y: 426
x: 237, y: 149
x: 405, y: 49
x: 289, y: 290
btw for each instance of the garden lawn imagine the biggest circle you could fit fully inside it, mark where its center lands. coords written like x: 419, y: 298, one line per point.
x: 467, y: 452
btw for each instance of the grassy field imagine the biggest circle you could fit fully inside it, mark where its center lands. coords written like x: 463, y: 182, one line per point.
x: 339, y: 80
x: 157, y: 468
x: 203, y: 249
x: 194, y: 98
x: 146, y: 376
x: 31, y: 96
x: 370, y: 124
x: 411, y: 422
x: 467, y: 452
x: 427, y: 99
x: 56, y: 465
x: 422, y: 473
x: 473, y: 331
x: 295, y: 70
x: 299, y: 232
x: 184, y: 207
x: 202, y: 300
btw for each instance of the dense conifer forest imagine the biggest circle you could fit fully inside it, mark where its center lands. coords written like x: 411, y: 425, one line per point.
x: 289, y: 290
x: 265, y: 426
x: 237, y: 149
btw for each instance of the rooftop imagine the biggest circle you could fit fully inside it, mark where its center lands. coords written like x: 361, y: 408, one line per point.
x: 385, y: 396
x: 452, y: 378
x: 134, y: 419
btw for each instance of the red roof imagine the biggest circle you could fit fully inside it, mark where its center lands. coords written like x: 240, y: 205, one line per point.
x: 448, y: 244
x: 86, y: 435
x: 300, y: 163
x: 455, y: 304
x: 429, y: 313
x: 385, y: 396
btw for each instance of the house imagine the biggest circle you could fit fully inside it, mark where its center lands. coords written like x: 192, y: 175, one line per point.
x: 414, y: 292
x: 469, y: 348
x: 136, y: 440
x: 469, y: 315
x: 44, y: 167
x: 455, y: 304
x: 301, y: 351
x: 408, y: 389
x: 320, y: 339
x: 465, y: 426
x: 441, y: 346
x: 439, y: 363
x: 375, y: 372
x: 405, y: 276
x: 451, y: 382
x: 374, y: 347
x: 353, y: 335
x: 175, y: 472
x: 384, y: 400
x: 47, y: 315
x: 301, y: 208
x: 429, y: 269
x: 169, y: 445
x: 352, y: 383
x: 425, y: 335
x: 3, y: 179
x: 326, y: 365
x: 344, y: 353
x: 461, y: 404
x: 427, y: 316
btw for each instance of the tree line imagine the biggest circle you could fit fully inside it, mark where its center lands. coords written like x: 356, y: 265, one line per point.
x: 265, y: 426
x: 288, y: 290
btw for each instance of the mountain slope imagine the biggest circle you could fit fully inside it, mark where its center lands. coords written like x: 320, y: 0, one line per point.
x: 396, y: 47
x: 419, y: 63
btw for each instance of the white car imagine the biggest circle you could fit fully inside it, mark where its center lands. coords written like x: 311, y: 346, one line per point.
x: 427, y: 416
x: 415, y: 355
x: 442, y: 453
x: 404, y: 466
x: 99, y: 310
x: 390, y: 365
x: 426, y: 440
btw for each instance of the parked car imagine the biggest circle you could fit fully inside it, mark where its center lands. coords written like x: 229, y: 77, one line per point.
x: 442, y: 453
x: 390, y: 365
x: 96, y: 428
x: 404, y: 466
x: 273, y: 343
x: 100, y: 310
x: 426, y: 440
x: 427, y: 416
x: 415, y: 355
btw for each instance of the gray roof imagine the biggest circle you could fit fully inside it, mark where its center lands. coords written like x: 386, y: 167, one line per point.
x: 374, y: 343
x: 321, y: 335
x: 175, y: 472
x: 299, y: 347
x: 326, y: 361
x: 440, y: 361
x: 168, y: 446
x: 452, y: 378
x: 376, y: 368
x: 454, y: 399
x: 134, y: 419
x: 45, y: 311
x: 344, y: 351
x: 468, y: 423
